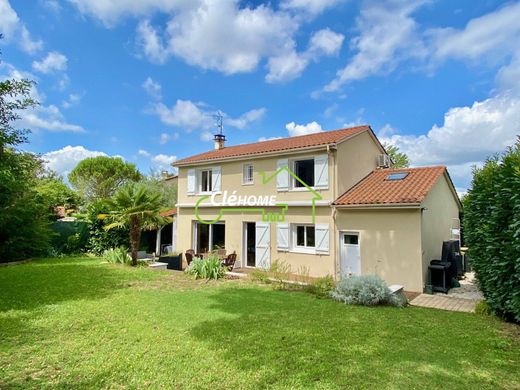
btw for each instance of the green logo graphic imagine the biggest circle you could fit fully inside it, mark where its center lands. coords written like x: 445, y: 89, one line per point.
x: 267, y: 216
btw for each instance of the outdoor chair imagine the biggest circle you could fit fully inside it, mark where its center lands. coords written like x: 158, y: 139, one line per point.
x: 189, y: 256
x: 229, y: 261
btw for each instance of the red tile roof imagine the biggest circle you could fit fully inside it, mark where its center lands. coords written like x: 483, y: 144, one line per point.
x: 167, y: 213
x: 290, y: 143
x: 376, y: 189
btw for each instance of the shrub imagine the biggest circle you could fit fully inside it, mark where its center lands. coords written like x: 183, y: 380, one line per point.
x: 366, y: 290
x: 117, y: 256
x: 492, y: 232
x: 483, y: 309
x: 210, y: 268
x: 321, y: 287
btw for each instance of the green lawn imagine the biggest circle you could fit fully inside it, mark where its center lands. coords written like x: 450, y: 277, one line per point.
x: 77, y: 323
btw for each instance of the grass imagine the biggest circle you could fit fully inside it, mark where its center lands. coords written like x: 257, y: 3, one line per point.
x: 78, y: 323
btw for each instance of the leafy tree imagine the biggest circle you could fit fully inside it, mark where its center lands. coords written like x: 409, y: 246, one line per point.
x: 137, y: 208
x: 55, y: 192
x: 24, y: 227
x: 399, y: 159
x: 492, y: 231
x: 155, y: 183
x: 99, y: 177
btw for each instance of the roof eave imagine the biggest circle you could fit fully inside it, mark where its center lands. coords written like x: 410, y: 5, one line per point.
x: 254, y: 155
x: 379, y: 206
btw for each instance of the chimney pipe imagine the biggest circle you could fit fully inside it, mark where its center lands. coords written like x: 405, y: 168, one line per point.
x: 220, y: 141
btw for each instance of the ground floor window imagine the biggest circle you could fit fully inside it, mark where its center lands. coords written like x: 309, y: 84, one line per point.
x: 304, y: 236
x: 209, y: 237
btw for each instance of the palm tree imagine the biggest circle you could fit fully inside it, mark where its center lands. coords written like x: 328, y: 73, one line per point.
x: 135, y: 207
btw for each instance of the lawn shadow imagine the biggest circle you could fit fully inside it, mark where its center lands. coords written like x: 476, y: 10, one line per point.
x: 293, y: 340
x: 45, y: 282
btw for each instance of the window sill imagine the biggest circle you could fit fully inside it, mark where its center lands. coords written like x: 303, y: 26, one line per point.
x: 308, y: 251
x: 248, y: 184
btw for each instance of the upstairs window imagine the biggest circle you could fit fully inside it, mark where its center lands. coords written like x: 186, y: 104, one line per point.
x: 397, y: 176
x: 206, y: 182
x: 304, y: 169
x: 247, y: 176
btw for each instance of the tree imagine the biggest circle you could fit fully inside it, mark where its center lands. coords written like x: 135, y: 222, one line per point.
x: 155, y: 183
x: 24, y: 229
x: 492, y: 231
x: 399, y: 159
x: 99, y: 177
x: 135, y: 207
x: 55, y: 192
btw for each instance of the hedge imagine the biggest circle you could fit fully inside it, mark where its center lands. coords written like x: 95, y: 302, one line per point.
x: 492, y: 231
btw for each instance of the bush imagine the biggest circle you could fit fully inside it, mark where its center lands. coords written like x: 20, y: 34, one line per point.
x: 492, y: 232
x: 210, y: 268
x: 321, y: 287
x: 117, y: 256
x: 366, y: 290
x: 483, y: 309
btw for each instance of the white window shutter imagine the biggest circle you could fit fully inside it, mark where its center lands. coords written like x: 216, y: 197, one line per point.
x: 282, y: 236
x: 263, y: 245
x: 321, y: 171
x: 282, y: 179
x: 216, y: 178
x: 322, y: 238
x: 191, y: 181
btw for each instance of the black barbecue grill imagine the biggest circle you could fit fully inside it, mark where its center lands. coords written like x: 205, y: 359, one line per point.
x: 443, y: 272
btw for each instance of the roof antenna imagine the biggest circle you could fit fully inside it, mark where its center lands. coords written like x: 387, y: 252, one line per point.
x: 220, y: 138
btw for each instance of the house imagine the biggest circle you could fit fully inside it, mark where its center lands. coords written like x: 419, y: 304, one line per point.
x: 326, y: 203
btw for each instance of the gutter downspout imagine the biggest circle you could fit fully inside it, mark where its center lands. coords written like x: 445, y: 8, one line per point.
x: 333, y: 209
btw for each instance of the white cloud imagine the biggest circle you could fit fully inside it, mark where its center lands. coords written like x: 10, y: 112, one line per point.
x: 312, y: 7
x: 165, y: 137
x: 191, y: 116
x: 152, y: 88
x: 245, y: 119
x: 387, y: 35
x: 72, y: 100
x: 109, y: 12
x: 52, y: 5
x: 325, y: 42
x: 467, y: 136
x: 45, y: 117
x: 261, y: 139
x: 14, y: 30
x: 53, y: 62
x: 309, y: 128
x: 496, y: 33
x: 152, y: 45
x: 144, y: 153
x: 206, y: 136
x: 65, y: 160
x: 164, y: 161
x: 290, y: 65
x: 184, y: 114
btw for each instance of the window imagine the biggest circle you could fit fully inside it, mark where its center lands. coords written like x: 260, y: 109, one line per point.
x: 304, y: 169
x: 247, y: 177
x: 397, y: 176
x: 206, y: 184
x: 305, y: 236
x: 351, y: 239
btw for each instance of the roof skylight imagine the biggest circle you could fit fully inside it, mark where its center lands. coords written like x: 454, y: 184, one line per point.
x: 397, y: 176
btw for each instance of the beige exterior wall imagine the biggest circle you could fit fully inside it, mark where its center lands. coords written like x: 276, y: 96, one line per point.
x: 356, y: 158
x: 440, y: 207
x: 231, y: 173
x: 317, y: 265
x: 390, y: 243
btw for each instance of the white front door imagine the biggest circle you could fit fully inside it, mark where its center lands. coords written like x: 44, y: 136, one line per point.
x: 263, y: 245
x: 350, y: 255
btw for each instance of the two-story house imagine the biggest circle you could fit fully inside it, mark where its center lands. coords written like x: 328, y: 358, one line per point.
x: 345, y: 212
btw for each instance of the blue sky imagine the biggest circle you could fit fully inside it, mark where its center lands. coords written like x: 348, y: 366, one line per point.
x: 141, y: 79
